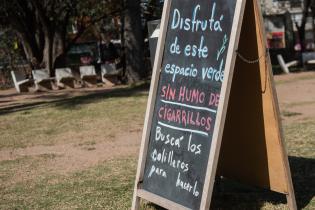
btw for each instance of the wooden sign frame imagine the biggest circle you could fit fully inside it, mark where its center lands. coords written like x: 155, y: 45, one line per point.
x: 221, y: 114
x: 267, y: 164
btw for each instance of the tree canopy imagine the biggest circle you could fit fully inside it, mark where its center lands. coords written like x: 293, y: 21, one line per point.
x: 43, y: 27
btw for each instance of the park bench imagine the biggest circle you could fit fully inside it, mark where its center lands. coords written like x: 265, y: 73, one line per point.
x: 110, y: 73
x: 65, y: 78
x: 20, y: 82
x: 88, y: 75
x: 43, y: 81
x: 285, y: 66
x: 308, y: 59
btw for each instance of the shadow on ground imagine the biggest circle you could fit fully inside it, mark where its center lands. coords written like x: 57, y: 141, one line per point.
x: 92, y: 98
x: 303, y: 175
x: 10, y: 95
x: 63, y: 102
x: 230, y: 195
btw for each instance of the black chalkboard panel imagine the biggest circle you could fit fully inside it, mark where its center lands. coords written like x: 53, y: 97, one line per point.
x: 188, y: 95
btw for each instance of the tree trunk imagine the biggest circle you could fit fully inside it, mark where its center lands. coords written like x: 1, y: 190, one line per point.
x: 32, y: 52
x: 26, y: 47
x: 301, y: 28
x: 54, y: 47
x: 122, y: 38
x: 58, y: 50
x: 301, y: 31
x: 134, y: 42
x: 47, y: 62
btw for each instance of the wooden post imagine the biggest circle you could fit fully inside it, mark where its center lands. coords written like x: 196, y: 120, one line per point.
x: 151, y: 102
x: 224, y: 99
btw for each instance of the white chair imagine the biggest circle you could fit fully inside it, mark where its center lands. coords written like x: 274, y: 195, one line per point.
x: 285, y: 66
x: 110, y: 73
x: 43, y: 81
x: 20, y: 82
x: 64, y: 77
x: 88, y: 75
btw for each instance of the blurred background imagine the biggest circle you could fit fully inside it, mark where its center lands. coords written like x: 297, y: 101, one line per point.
x: 53, y: 34
x: 77, y: 147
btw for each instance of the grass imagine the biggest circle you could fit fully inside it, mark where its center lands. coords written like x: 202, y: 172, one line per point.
x: 107, y: 186
x: 290, y: 114
x: 22, y: 169
x: 71, y: 121
x: 300, y: 139
x: 84, y: 122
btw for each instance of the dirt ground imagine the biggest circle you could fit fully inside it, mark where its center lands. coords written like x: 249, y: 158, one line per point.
x: 69, y: 158
x: 296, y: 93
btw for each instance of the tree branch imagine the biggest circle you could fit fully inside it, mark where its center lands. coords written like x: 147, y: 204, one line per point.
x: 41, y: 13
x: 91, y: 23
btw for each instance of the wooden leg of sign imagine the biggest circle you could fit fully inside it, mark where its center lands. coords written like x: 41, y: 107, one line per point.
x: 258, y: 157
x: 217, y: 133
x: 151, y: 103
x: 259, y: 19
x: 291, y: 201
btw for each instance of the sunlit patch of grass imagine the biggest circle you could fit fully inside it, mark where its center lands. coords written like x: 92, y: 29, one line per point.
x: 300, y: 139
x: 22, y: 168
x: 80, y: 119
x: 107, y: 186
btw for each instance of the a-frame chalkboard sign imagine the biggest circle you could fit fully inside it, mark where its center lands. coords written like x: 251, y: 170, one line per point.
x: 212, y: 108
